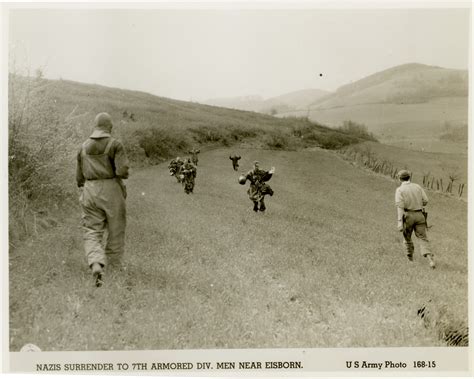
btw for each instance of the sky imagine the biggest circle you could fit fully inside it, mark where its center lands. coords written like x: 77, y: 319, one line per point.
x: 198, y: 54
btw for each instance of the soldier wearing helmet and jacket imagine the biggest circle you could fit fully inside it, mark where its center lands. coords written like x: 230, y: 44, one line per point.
x: 101, y: 167
x: 258, y: 188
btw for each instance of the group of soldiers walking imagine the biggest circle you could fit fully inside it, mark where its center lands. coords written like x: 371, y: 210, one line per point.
x: 102, y: 165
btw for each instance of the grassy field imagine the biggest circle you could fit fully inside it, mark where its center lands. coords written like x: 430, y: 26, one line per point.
x: 324, y: 267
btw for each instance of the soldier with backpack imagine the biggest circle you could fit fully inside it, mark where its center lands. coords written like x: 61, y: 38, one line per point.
x: 101, y: 167
x: 189, y: 172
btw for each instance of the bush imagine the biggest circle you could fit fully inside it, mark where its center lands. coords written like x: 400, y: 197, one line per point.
x: 40, y: 156
x: 332, y: 142
x: 276, y: 141
x: 238, y: 133
x: 160, y: 144
x: 356, y: 129
x: 204, y: 134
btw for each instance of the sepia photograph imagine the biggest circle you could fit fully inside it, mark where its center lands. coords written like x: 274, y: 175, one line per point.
x: 236, y: 188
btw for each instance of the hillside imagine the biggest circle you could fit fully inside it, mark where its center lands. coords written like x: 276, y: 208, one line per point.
x: 155, y: 128
x: 252, y: 103
x: 48, y: 121
x: 290, y: 101
x: 293, y: 100
x: 139, y: 117
x: 406, y: 84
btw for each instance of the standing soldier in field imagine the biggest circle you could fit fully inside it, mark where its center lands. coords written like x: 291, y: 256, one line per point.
x: 258, y: 188
x: 410, y: 200
x: 189, y: 172
x: 235, y: 161
x: 194, y: 157
x: 101, y: 166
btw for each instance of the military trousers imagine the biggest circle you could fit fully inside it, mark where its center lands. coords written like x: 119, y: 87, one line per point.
x: 415, y: 222
x: 262, y: 207
x: 188, y: 184
x: 103, y: 219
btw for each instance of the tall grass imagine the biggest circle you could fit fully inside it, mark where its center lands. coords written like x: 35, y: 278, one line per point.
x: 39, y: 156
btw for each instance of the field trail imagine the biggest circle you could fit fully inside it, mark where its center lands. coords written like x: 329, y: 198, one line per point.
x: 323, y: 267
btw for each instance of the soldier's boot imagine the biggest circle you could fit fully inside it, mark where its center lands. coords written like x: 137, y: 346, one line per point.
x: 410, y: 249
x: 255, y: 206
x: 262, y: 206
x: 97, y: 274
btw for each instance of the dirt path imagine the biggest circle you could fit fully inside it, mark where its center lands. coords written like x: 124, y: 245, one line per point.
x: 324, y: 267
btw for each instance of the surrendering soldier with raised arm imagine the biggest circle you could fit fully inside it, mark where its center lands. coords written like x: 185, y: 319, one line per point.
x: 235, y: 161
x: 258, y: 188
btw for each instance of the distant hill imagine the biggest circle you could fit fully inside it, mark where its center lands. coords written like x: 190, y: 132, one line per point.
x: 247, y: 103
x: 411, y: 83
x: 291, y: 101
x: 399, y: 105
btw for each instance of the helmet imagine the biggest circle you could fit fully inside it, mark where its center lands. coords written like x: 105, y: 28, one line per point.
x: 242, y: 179
x: 103, y: 120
